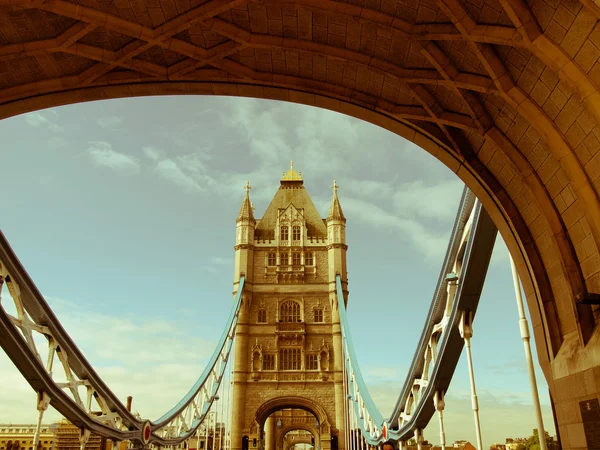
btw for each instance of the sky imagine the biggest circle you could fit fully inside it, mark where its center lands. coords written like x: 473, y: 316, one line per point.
x: 123, y: 213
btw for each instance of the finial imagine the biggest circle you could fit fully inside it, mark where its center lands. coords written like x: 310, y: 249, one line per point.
x: 247, y: 187
x: 335, y: 187
x: 291, y: 175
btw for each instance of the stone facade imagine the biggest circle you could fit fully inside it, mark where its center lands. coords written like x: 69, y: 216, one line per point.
x: 288, y: 344
x: 57, y: 436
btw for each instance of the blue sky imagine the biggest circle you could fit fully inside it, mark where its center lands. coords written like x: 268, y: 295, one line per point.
x: 123, y: 212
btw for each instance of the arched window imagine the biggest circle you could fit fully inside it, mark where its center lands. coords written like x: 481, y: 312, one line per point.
x: 308, y: 259
x: 262, y: 316
x: 285, y: 233
x: 268, y: 362
x: 289, y: 312
x: 296, y: 259
x: 318, y: 315
x: 312, y: 362
x: 295, y: 233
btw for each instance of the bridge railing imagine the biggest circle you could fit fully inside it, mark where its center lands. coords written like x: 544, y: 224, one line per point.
x: 452, y: 309
x: 96, y: 409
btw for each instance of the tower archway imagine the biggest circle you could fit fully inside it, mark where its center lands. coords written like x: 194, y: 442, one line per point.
x: 279, y: 418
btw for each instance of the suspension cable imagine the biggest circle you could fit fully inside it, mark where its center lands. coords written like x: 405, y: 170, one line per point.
x: 345, y: 389
x: 524, y: 329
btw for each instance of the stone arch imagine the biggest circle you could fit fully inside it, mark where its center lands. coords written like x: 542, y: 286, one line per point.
x: 297, y: 402
x: 514, y: 228
x: 312, y: 430
x: 503, y: 101
x: 290, y: 310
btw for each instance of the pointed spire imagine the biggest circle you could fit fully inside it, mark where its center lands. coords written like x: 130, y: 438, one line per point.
x: 246, y: 211
x: 335, y: 210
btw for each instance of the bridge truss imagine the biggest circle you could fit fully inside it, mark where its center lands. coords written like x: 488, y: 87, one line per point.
x: 86, y: 401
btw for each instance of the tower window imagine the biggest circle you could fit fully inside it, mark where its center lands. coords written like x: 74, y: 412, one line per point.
x: 289, y: 312
x: 272, y: 259
x: 318, y: 315
x: 285, y: 233
x: 290, y: 359
x: 262, y: 316
x: 312, y: 362
x: 296, y: 233
x: 268, y: 362
x: 296, y: 259
x: 309, y: 259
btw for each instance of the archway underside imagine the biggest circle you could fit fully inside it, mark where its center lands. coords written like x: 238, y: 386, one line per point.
x: 504, y: 92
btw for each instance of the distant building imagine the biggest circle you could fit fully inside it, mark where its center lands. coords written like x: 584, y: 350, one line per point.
x: 20, y: 437
x: 463, y: 445
x: 498, y: 447
x: 512, y: 444
x: 217, y: 438
x: 58, y: 436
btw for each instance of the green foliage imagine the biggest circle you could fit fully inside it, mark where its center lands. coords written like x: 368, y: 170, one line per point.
x: 533, y: 442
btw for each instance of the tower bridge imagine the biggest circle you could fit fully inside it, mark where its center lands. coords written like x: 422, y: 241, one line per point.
x: 284, y: 372
x: 504, y: 92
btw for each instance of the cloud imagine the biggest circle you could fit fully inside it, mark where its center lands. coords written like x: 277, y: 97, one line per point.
x: 176, y: 174
x: 150, y: 358
x: 102, y: 154
x: 152, y: 153
x: 38, y: 119
x: 432, y: 244
x: 382, y: 185
x: 109, y: 122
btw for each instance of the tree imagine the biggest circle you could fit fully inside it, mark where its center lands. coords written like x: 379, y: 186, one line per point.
x: 533, y: 442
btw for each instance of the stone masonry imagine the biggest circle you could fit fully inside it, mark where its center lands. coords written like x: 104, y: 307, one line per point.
x: 288, y: 344
x: 504, y: 92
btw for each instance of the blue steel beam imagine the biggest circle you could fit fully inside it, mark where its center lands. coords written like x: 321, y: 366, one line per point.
x: 475, y: 256
x: 40, y: 380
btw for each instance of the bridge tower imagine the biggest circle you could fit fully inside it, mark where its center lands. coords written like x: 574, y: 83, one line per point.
x: 288, y: 348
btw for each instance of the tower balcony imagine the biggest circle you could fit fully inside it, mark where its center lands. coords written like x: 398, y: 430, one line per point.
x: 289, y: 268
x: 294, y: 328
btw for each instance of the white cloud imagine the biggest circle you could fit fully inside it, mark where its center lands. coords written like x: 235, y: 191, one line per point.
x: 433, y: 245
x: 41, y: 119
x: 103, y: 154
x: 109, y: 122
x: 152, y: 153
x: 329, y: 145
x: 428, y: 200
x: 150, y: 358
x: 173, y: 172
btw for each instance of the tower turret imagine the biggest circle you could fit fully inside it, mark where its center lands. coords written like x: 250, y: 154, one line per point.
x: 336, y: 255
x: 336, y: 238
x: 244, y: 236
x: 288, y: 347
